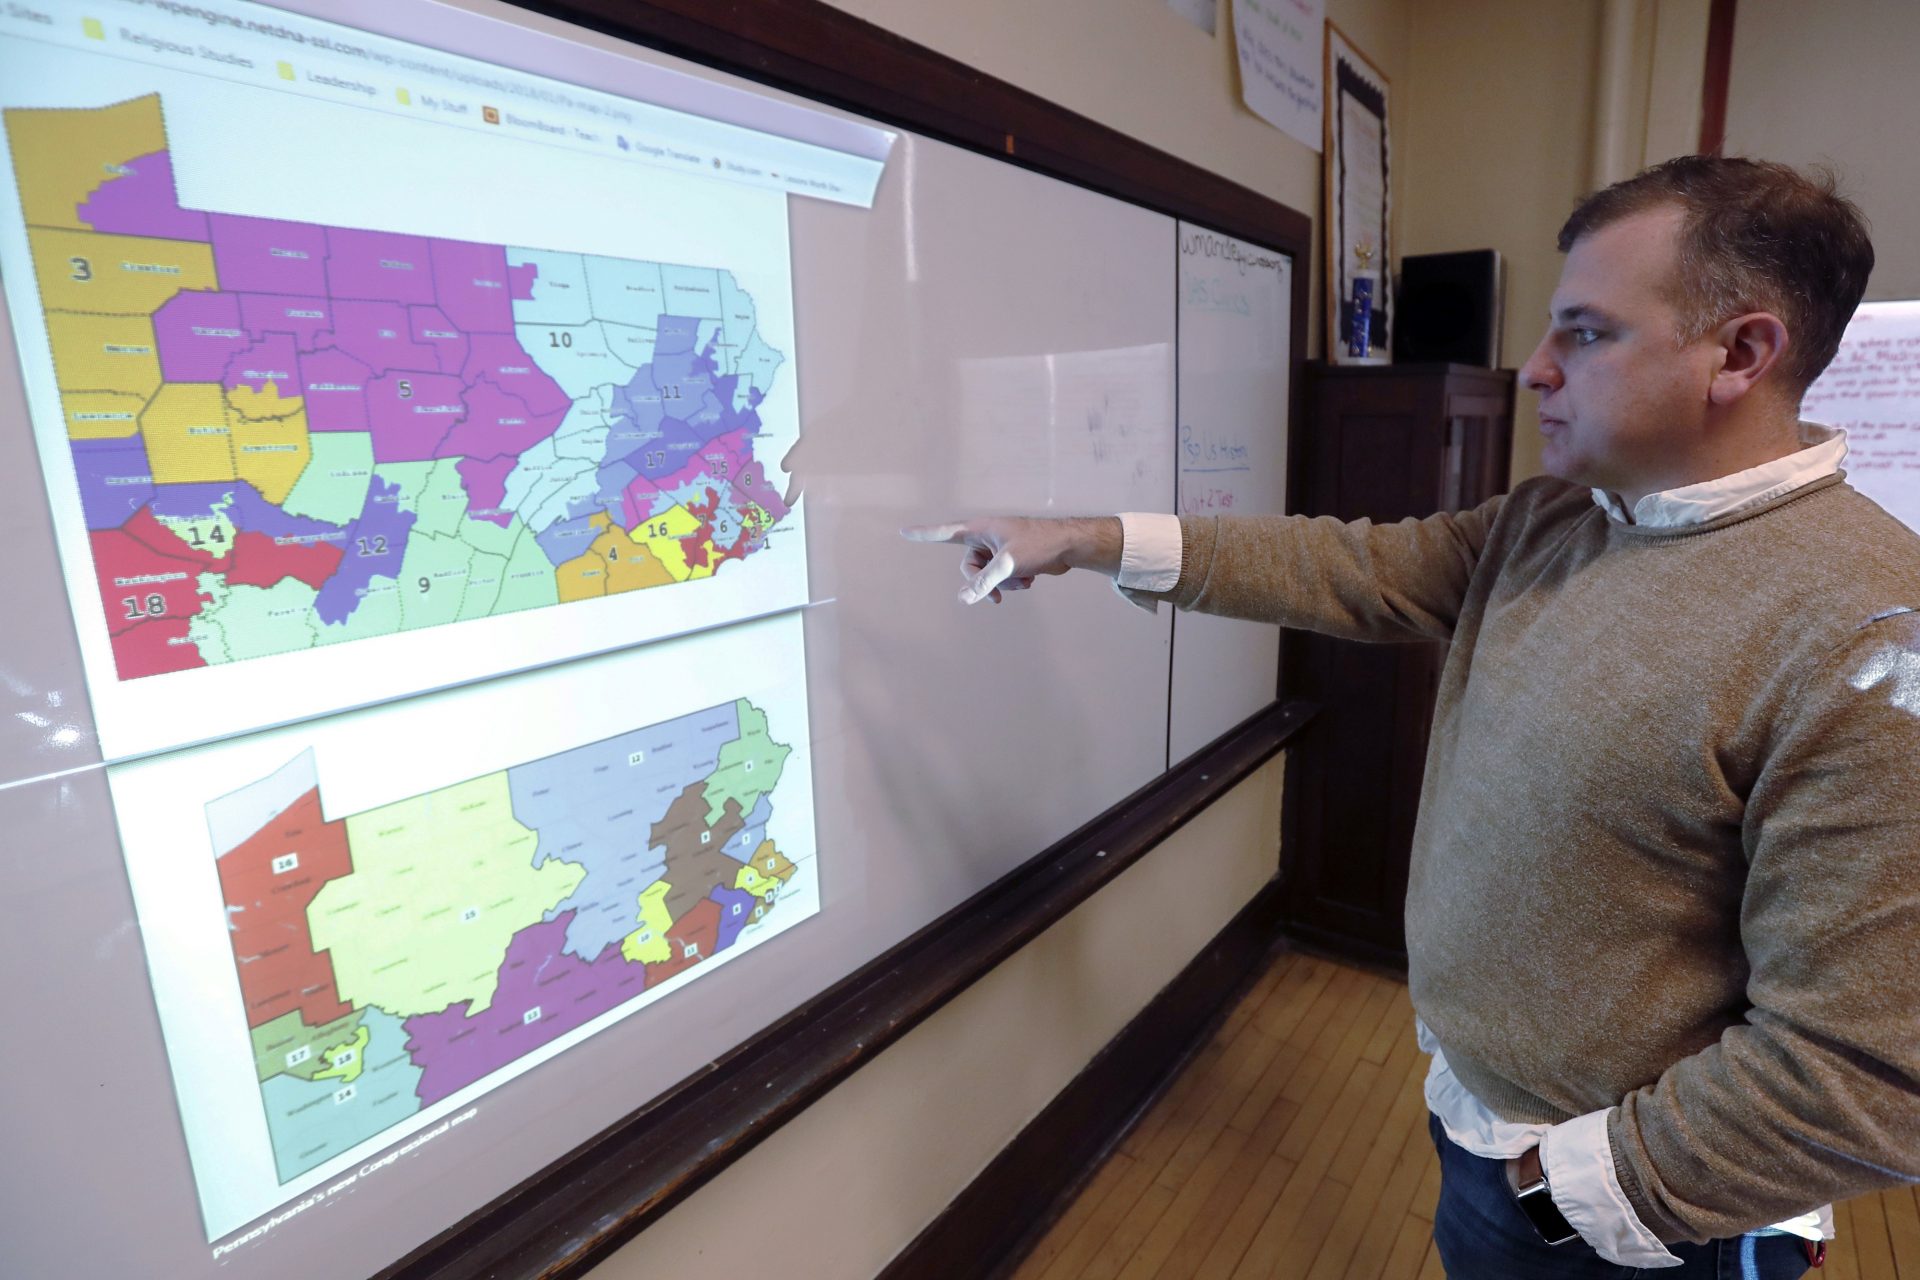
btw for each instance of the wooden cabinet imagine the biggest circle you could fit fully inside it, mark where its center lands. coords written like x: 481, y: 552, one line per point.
x: 1384, y: 443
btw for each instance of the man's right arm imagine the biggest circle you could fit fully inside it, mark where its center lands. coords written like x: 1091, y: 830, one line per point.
x: 1356, y: 579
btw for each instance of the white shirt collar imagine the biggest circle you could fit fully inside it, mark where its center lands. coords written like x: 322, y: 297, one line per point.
x: 1823, y: 450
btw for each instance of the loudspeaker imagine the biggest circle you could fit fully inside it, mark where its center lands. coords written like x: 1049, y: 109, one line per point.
x: 1451, y: 308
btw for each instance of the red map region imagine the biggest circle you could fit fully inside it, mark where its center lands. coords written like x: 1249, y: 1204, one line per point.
x: 696, y: 544
x: 699, y: 925
x: 267, y: 912
x: 150, y: 595
x: 260, y: 560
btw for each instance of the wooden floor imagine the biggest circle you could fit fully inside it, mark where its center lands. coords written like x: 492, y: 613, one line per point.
x: 1296, y: 1146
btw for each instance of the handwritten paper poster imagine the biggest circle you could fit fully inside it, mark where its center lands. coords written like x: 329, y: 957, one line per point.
x: 1872, y: 390
x: 1278, y: 43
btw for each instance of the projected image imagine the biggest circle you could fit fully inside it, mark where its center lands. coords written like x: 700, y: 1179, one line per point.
x: 289, y: 434
x: 360, y: 369
x: 374, y: 924
x: 391, y: 958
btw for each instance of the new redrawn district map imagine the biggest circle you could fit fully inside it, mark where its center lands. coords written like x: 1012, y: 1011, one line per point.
x: 390, y: 958
x: 289, y: 434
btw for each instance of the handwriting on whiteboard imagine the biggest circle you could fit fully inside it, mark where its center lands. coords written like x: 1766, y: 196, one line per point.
x: 1872, y: 391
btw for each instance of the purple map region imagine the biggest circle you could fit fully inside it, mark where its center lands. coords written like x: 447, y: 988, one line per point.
x: 471, y: 285
x: 115, y: 480
x: 334, y: 385
x: 378, y: 264
x: 198, y: 335
x: 596, y: 806
x: 376, y: 543
x: 140, y: 202
x: 736, y: 913
x: 267, y: 255
x: 485, y: 480
x: 498, y: 424
x: 377, y: 335
x: 270, y: 360
x: 453, y: 1050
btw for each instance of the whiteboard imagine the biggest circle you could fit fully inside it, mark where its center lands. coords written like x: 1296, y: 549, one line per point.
x: 981, y: 339
x: 1235, y: 316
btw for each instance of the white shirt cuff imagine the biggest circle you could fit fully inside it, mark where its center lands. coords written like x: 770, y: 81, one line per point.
x: 1578, y: 1161
x: 1150, y: 551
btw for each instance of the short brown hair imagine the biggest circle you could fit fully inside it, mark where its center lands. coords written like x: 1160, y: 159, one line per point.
x: 1754, y: 236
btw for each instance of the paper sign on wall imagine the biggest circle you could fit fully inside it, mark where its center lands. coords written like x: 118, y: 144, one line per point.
x: 1872, y: 391
x: 1279, y: 46
x: 1199, y: 12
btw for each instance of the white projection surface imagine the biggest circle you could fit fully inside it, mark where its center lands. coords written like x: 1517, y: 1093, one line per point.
x: 462, y: 676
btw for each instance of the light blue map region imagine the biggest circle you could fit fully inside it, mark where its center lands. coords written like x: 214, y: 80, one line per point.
x: 743, y: 845
x: 310, y: 1122
x: 596, y: 806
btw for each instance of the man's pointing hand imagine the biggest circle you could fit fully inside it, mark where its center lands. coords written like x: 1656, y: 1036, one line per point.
x: 1008, y: 553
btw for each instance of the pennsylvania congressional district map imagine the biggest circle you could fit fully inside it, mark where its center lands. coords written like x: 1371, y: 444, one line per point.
x: 290, y: 435
x: 391, y: 958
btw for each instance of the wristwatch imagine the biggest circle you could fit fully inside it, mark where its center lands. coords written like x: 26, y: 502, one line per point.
x: 1536, y: 1201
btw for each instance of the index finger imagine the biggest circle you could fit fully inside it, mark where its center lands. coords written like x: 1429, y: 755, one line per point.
x: 936, y: 533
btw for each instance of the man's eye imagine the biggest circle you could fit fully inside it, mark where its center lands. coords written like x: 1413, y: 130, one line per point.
x: 1585, y: 337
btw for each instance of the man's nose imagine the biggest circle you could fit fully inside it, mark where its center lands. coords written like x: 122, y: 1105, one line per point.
x: 1541, y: 373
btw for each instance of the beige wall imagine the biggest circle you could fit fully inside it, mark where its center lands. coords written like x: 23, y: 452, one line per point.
x: 861, y: 1172
x: 1498, y: 148
x: 1833, y: 83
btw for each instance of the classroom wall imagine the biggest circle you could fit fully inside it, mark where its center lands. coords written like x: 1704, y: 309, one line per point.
x: 1833, y: 83
x: 860, y: 1173
x: 1498, y: 148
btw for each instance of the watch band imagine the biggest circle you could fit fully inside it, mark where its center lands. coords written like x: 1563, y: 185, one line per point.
x: 1536, y: 1201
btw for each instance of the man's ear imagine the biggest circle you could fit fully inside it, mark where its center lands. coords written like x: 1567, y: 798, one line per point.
x: 1752, y: 345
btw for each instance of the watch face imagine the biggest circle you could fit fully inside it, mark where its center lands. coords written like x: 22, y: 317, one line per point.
x: 1537, y: 1203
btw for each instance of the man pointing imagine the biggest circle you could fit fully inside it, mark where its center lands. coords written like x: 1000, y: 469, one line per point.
x: 1663, y: 915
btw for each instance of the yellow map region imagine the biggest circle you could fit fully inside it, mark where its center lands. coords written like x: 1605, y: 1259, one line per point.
x: 441, y: 882
x: 104, y: 353
x: 345, y: 1061
x: 123, y: 275
x: 270, y: 442
x: 188, y: 437
x: 768, y: 870
x: 649, y: 943
x: 98, y: 415
x: 59, y: 155
x: 662, y: 535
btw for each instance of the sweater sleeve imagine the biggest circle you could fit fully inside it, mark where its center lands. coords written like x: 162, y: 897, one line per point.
x: 1357, y: 581
x: 1815, y: 1097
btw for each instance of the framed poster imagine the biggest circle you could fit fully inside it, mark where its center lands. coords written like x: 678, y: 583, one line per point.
x: 1358, y: 189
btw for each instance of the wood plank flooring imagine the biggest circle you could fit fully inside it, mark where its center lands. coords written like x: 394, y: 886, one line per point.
x: 1296, y: 1145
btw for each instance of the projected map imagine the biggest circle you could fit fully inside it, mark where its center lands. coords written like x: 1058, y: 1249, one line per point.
x: 390, y: 958
x: 290, y: 435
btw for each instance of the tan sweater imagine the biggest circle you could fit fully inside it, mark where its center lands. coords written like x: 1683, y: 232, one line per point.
x: 1668, y: 854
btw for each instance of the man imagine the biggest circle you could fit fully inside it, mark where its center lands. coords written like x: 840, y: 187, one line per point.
x: 1663, y: 919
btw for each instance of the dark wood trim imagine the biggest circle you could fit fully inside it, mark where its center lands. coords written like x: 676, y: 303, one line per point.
x: 1714, y: 80
x: 572, y: 1214
x: 1005, y: 1211
x: 811, y: 48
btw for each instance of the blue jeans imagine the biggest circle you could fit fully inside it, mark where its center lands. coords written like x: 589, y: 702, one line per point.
x: 1482, y: 1235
